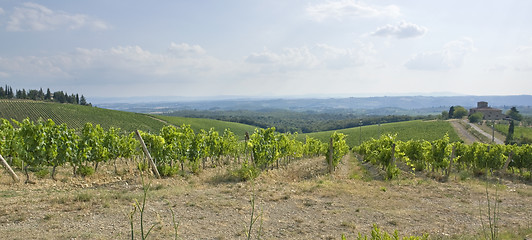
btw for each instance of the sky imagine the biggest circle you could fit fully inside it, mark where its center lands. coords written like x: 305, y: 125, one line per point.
x: 273, y: 48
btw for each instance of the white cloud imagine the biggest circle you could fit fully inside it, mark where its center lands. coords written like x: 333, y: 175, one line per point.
x: 36, y: 17
x: 401, y: 30
x: 350, y: 8
x: 122, y: 63
x: 1, y: 11
x: 451, y: 56
x: 290, y: 58
x: 319, y: 56
x: 186, y: 50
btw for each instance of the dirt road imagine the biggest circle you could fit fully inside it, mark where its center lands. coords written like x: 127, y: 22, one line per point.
x: 297, y: 202
x: 462, y: 132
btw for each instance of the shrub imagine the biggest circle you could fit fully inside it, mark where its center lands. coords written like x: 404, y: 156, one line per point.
x: 85, y: 171
x: 246, y: 172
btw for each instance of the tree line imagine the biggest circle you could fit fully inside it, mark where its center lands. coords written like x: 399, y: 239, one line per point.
x: 7, y: 92
x: 291, y: 121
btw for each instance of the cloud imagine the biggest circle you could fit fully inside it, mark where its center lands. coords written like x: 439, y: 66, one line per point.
x: 350, y: 8
x: 36, y: 17
x: 401, y: 30
x: 289, y: 58
x: 319, y: 56
x: 451, y: 56
x: 116, y: 64
x: 185, y: 50
x: 1, y: 11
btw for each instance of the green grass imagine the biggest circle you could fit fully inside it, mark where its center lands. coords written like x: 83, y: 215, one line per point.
x: 201, y: 123
x: 75, y: 116
x: 417, y: 130
x: 518, y: 130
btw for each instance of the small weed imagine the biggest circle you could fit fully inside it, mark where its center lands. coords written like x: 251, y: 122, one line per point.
x: 464, y: 175
x: 47, y: 217
x: 350, y: 225
x: 83, y: 197
x: 42, y: 173
x: 85, y: 171
x: 383, y: 189
x: 158, y: 187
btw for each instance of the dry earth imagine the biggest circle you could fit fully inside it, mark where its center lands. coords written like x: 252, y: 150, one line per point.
x: 297, y: 202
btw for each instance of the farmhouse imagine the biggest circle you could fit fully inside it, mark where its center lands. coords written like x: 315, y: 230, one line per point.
x: 489, y: 113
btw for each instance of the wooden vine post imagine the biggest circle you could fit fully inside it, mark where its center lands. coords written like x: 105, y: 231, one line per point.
x: 451, y: 160
x: 330, y: 157
x: 152, y: 164
x: 505, y: 168
x: 9, y: 169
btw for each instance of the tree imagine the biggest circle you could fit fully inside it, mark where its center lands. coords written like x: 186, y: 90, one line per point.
x: 510, y: 135
x: 48, y: 95
x: 514, y: 114
x: 451, y: 112
x: 82, y: 101
x: 444, y: 115
x: 459, y: 112
x: 476, y: 117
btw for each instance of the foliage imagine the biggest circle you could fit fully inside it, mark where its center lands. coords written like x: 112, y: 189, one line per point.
x: 418, y: 130
x: 436, y: 155
x: 292, y: 121
x: 476, y: 117
x: 382, y: 152
x: 458, y: 112
x: 514, y: 114
x: 339, y: 148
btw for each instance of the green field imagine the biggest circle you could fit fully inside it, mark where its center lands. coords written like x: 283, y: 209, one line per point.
x: 418, y: 129
x: 201, y: 123
x: 75, y: 116
x: 519, y: 131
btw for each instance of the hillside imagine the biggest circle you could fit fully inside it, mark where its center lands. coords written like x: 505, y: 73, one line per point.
x: 76, y: 116
x: 199, y: 123
x: 427, y: 130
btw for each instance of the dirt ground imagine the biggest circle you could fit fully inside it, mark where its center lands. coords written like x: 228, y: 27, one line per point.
x: 299, y: 201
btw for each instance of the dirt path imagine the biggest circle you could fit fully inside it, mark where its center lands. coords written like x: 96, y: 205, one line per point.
x: 462, y: 132
x: 297, y: 202
x: 497, y: 141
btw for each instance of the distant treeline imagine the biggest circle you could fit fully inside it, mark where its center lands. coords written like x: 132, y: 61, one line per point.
x: 291, y: 121
x: 39, y: 95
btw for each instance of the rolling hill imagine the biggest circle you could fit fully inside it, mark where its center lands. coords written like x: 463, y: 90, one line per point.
x: 417, y: 129
x: 75, y: 116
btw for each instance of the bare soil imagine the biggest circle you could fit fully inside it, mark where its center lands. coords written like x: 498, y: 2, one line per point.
x: 299, y: 201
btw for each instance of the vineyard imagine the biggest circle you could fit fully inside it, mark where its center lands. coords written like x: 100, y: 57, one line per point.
x: 75, y: 116
x: 34, y: 145
x: 441, y: 155
x: 418, y: 130
x: 199, y: 123
x: 87, y: 178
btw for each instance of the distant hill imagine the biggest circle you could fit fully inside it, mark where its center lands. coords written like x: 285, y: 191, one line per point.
x: 396, y: 105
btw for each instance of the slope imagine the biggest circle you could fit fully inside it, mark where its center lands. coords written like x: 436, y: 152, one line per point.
x: 418, y: 129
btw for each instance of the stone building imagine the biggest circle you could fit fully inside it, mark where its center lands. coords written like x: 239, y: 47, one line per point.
x: 489, y: 113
